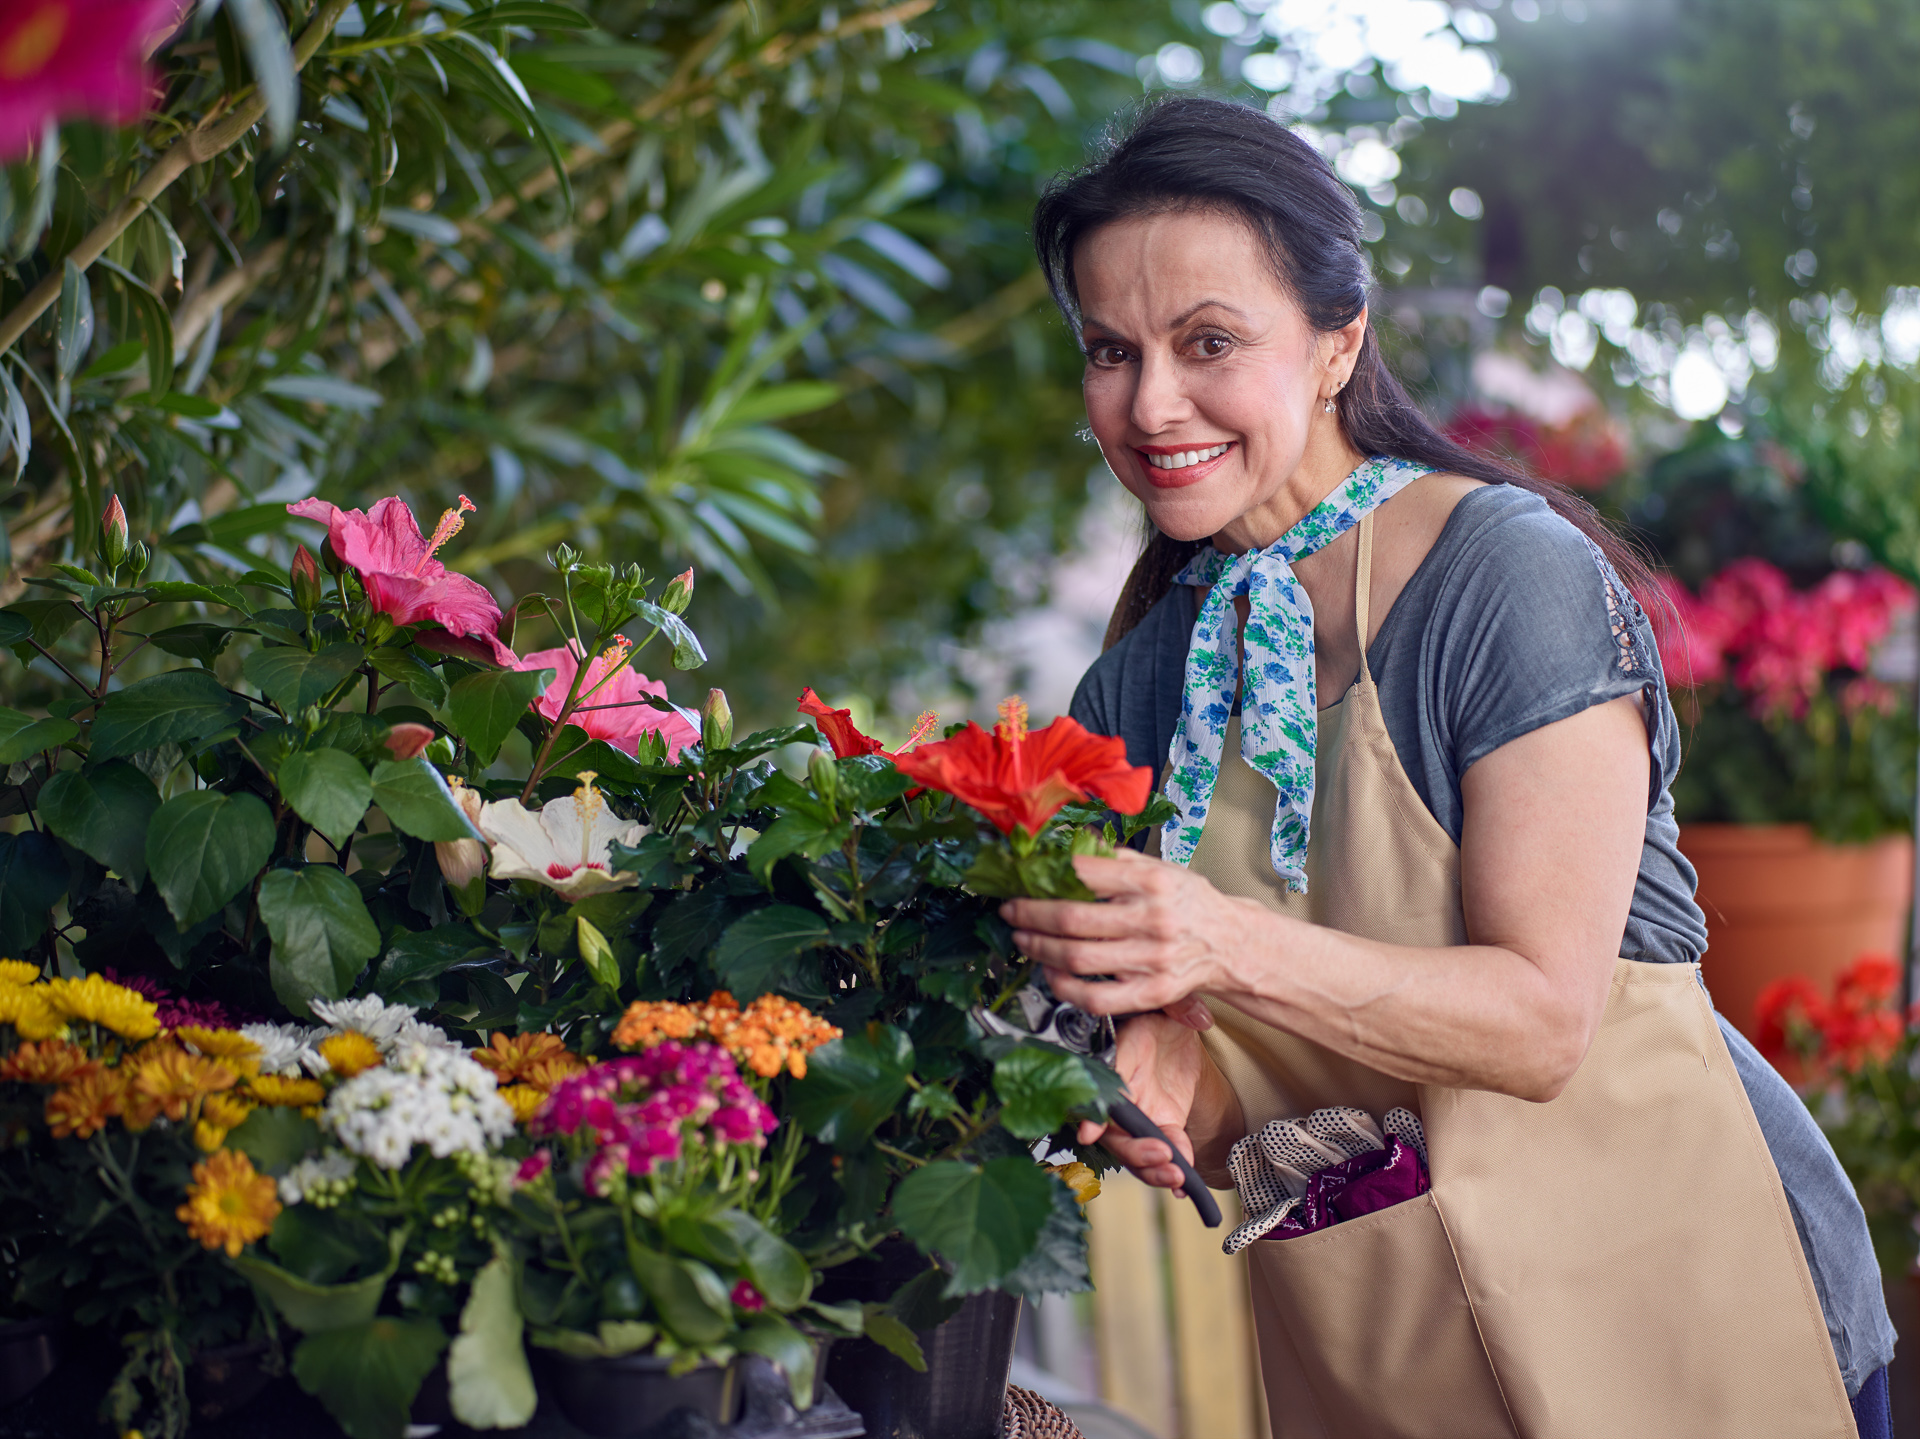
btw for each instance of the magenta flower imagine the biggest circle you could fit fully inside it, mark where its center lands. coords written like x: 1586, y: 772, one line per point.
x: 402, y: 579
x: 76, y: 57
x: 533, y: 1166
x: 745, y: 1296
x: 614, y: 710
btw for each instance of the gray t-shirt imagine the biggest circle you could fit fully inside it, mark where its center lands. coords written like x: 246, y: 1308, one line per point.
x: 1515, y: 620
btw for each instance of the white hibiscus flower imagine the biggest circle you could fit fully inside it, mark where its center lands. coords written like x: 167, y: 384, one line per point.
x: 565, y: 844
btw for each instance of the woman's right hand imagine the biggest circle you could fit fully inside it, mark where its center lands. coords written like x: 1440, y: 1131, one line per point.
x: 1163, y: 1064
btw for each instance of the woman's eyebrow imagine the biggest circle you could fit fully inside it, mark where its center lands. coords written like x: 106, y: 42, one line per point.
x: 1185, y: 315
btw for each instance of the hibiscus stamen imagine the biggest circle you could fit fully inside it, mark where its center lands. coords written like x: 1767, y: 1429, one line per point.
x: 922, y: 727
x: 587, y: 804
x: 1013, y: 720
x: 451, y: 523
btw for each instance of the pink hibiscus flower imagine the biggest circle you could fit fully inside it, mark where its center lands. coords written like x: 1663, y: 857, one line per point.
x: 402, y: 578
x: 617, y: 711
x: 75, y: 57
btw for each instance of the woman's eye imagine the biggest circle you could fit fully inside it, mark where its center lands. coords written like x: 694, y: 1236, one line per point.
x: 1211, y: 347
x: 1107, y: 356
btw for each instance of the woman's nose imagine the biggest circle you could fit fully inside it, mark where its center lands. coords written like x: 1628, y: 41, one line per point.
x: 1159, y: 400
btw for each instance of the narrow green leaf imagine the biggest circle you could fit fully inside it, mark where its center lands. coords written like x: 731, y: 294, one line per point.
x: 483, y: 708
x: 204, y: 847
x: 416, y: 799
x: 322, y: 933
x: 270, y: 57
x: 329, y: 789
x: 103, y: 811
x: 172, y: 708
x: 294, y: 679
x: 73, y: 330
x: 683, y: 1295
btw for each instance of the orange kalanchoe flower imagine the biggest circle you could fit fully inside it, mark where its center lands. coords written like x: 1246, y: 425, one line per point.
x: 53, y: 1061
x: 83, y: 1105
x: 839, y: 731
x: 648, y: 1021
x: 771, y: 1034
x: 1019, y: 778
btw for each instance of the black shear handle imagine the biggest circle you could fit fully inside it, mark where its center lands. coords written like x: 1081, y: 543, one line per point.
x: 1128, y: 1115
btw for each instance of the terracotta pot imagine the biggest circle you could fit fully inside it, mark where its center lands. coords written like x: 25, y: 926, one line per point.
x: 1779, y: 902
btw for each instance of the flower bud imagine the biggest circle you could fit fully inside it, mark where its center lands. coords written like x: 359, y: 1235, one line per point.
x: 408, y: 740
x: 716, y: 721
x: 463, y: 862
x: 678, y: 594
x: 824, y: 773
x: 330, y: 557
x: 138, y: 558
x: 113, y: 534
x: 305, y: 577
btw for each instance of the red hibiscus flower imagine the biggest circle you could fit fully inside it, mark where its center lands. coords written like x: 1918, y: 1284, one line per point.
x: 838, y: 729
x: 616, y: 709
x: 1019, y: 778
x: 75, y: 57
x: 400, y: 575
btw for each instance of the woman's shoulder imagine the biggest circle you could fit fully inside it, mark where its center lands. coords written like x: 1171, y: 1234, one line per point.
x: 1495, y: 535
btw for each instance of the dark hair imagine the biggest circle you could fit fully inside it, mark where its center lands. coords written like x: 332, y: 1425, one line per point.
x: 1192, y: 152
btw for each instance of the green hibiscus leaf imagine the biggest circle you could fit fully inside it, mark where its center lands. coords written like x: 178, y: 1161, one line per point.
x: 687, y: 653
x: 853, y: 1084
x: 414, y: 796
x: 103, y: 811
x: 483, y: 708
x: 406, y: 668
x: 322, y: 933
x: 368, y: 1374
x: 810, y: 832
x: 204, y: 847
x: 198, y: 640
x: 753, y: 955
x: 982, y: 1219
x: 33, y: 876
x: 1058, y: 1261
x: 329, y: 789
x: 294, y: 679
x: 177, y: 707
x: 487, y: 1375
x: 1039, y: 1088
x: 415, y: 955
x: 22, y: 735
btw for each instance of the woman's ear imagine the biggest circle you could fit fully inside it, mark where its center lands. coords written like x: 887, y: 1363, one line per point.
x: 1340, y: 349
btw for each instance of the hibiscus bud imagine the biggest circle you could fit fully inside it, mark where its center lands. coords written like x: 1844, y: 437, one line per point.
x: 463, y: 862
x: 678, y: 593
x: 138, y: 559
x: 408, y: 740
x: 113, y: 534
x: 305, y: 575
x: 330, y: 558
x: 825, y: 775
x: 716, y: 721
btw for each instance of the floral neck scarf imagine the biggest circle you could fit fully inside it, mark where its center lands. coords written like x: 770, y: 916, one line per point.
x: 1277, y: 723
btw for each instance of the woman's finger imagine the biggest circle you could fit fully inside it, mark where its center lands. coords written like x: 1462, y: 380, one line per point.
x: 1070, y: 917
x: 1123, y: 872
x: 1119, y: 996
x: 1089, y: 956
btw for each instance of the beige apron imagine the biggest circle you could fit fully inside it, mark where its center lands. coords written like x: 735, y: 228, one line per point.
x: 1617, y: 1262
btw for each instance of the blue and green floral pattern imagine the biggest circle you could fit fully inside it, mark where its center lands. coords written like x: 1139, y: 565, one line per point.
x: 1277, y: 724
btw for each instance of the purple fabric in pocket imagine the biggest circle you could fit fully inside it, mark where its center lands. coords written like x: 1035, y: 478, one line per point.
x: 1357, y: 1186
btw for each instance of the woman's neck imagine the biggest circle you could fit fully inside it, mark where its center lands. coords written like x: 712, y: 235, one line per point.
x: 1328, y: 460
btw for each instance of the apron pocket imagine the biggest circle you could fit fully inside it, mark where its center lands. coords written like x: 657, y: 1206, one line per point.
x: 1382, y: 1329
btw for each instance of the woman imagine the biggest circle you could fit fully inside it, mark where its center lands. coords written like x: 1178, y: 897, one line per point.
x: 1452, y: 891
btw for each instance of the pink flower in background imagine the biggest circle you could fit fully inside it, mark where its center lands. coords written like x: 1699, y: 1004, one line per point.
x: 75, y: 57
x: 402, y: 579
x: 745, y: 1296
x: 617, y: 711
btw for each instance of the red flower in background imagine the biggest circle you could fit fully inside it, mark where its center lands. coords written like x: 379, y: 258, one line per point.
x: 1018, y: 777
x: 75, y: 57
x: 839, y: 731
x: 1797, y: 1027
x: 1583, y: 453
x: 402, y: 579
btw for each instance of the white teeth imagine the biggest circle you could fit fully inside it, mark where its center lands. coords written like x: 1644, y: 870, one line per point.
x: 1187, y: 457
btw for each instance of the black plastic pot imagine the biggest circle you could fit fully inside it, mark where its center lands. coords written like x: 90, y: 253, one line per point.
x: 964, y: 1391
x: 29, y: 1350
x: 632, y: 1395
x: 220, y: 1381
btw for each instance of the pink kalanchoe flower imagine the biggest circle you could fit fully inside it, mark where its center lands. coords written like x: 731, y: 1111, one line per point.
x: 533, y: 1166
x: 402, y: 579
x: 617, y: 711
x: 745, y: 1296
x: 75, y: 57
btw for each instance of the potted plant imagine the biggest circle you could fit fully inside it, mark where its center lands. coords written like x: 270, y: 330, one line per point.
x: 1796, y: 798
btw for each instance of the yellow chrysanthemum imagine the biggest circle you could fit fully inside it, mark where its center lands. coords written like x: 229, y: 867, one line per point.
x: 52, y: 1061
x: 26, y: 1009
x: 85, y: 1103
x: 18, y: 971
x: 520, y: 1056
x: 228, y: 1205
x: 349, y: 1053
x: 219, y: 1113
x: 94, y: 1000
x: 173, y: 1080
x: 523, y: 1100
x: 229, y: 1046
x: 286, y: 1091
x: 1078, y: 1177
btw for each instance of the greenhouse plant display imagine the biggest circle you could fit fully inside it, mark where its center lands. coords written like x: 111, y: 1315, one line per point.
x: 402, y: 1055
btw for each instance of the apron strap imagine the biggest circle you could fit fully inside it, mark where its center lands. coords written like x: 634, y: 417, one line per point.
x: 1363, y: 589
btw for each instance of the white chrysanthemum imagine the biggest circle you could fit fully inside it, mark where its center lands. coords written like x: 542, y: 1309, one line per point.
x: 416, y: 1031
x: 424, y: 1095
x: 372, y: 1016
x: 565, y: 844
x: 329, y: 1169
x: 285, y: 1048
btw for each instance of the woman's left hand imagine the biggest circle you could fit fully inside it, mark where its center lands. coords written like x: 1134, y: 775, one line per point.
x: 1163, y: 935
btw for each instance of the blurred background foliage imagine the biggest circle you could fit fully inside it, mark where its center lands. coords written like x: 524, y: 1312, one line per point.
x: 746, y: 285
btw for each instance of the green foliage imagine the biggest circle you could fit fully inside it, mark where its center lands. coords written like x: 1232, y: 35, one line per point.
x: 368, y: 1373
x: 322, y: 933
x: 982, y: 1218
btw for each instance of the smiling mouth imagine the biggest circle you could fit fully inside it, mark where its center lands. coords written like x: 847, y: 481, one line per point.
x: 1185, y: 459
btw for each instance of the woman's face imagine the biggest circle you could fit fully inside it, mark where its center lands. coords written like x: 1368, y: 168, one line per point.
x: 1205, y: 385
